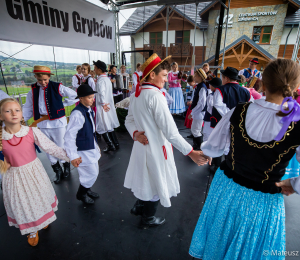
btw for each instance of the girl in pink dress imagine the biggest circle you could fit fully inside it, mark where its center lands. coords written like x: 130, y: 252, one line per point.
x: 28, y: 195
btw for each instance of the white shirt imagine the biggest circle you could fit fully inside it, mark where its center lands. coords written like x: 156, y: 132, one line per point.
x: 91, y: 81
x: 60, y: 122
x: 197, y: 112
x: 167, y: 96
x: 3, y: 95
x: 75, y: 80
x: 209, y: 102
x: 75, y: 124
x: 135, y: 80
x: 262, y: 125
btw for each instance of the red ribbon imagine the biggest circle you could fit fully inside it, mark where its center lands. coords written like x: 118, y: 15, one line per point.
x: 36, y: 71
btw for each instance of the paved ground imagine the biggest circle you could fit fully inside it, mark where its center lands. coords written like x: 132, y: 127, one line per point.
x: 107, y: 231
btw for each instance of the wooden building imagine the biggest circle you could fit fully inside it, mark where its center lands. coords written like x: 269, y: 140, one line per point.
x: 263, y: 29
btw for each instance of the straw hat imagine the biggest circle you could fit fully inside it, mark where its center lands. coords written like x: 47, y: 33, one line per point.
x: 150, y: 64
x: 202, y: 73
x: 42, y: 69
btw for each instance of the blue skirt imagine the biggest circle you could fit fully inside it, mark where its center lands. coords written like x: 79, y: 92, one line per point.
x: 292, y: 170
x: 177, y: 106
x: 239, y: 223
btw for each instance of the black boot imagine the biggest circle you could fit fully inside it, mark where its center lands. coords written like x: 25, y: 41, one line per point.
x: 108, y: 141
x: 114, y: 139
x: 98, y: 136
x: 59, y: 172
x: 201, y: 141
x: 67, y: 170
x: 196, y: 143
x: 148, y: 217
x: 190, y: 136
x: 92, y: 194
x: 82, y: 195
x: 138, y: 208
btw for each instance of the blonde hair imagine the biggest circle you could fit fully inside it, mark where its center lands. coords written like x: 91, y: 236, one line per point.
x: 4, y: 164
x: 174, y: 64
x: 78, y: 66
x: 205, y: 65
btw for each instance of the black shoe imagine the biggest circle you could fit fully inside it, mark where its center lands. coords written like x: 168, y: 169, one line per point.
x: 138, y: 208
x: 59, y: 172
x: 196, y: 143
x: 215, y: 164
x: 114, y: 139
x: 82, y: 195
x: 110, y: 146
x: 190, y: 136
x: 98, y: 136
x: 92, y: 194
x: 148, y: 218
x: 67, y: 170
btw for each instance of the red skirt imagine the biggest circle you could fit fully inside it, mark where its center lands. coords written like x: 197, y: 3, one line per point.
x: 188, y: 122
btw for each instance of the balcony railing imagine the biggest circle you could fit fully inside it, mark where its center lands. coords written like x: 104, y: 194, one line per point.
x: 180, y: 49
x: 157, y: 48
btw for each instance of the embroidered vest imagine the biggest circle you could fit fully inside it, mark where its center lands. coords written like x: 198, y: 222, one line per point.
x: 85, y: 136
x: 78, y: 79
x: 53, y: 101
x: 257, y: 165
x: 232, y: 94
x: 247, y: 73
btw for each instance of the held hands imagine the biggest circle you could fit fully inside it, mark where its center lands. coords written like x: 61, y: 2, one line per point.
x: 140, y: 136
x: 190, y: 116
x: 106, y: 107
x: 189, y: 103
x: 199, y: 158
x: 179, y: 81
x: 76, y: 162
x: 286, y: 187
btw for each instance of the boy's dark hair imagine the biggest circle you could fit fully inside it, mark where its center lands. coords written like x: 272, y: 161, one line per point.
x: 190, y: 79
x: 165, y: 65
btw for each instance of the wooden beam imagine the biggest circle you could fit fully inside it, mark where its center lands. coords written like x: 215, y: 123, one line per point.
x: 242, y: 51
x: 237, y: 57
x: 155, y: 20
x: 249, y: 52
x: 163, y: 17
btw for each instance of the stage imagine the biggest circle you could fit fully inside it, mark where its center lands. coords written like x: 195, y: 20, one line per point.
x: 107, y: 230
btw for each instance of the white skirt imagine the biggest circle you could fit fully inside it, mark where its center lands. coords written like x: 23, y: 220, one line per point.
x: 29, y: 198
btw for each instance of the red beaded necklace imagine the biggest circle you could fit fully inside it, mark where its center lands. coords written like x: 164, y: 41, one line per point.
x: 15, y: 144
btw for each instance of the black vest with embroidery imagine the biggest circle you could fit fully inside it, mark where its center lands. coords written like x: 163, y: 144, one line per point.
x: 257, y: 165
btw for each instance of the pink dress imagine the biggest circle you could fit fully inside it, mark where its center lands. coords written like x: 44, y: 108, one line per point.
x: 28, y: 195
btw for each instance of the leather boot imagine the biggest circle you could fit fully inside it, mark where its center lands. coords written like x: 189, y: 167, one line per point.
x: 82, y: 195
x: 215, y: 164
x: 196, y: 143
x: 138, y: 208
x: 108, y: 141
x: 114, y: 139
x: 98, y: 136
x: 59, y: 172
x: 148, y: 217
x: 67, y: 170
x: 92, y: 194
x: 201, y: 141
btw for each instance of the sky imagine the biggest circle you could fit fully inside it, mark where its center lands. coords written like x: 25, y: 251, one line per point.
x: 39, y: 52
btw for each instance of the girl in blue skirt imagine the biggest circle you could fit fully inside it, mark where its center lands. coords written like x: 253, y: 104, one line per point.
x: 243, y: 216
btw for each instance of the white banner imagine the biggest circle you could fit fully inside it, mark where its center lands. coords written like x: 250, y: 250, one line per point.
x: 62, y: 23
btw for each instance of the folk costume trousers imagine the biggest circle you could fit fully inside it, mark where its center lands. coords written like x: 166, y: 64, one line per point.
x: 56, y: 135
x: 196, y: 127
x: 88, y: 174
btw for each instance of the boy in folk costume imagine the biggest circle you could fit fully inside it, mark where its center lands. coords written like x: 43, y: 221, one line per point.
x: 76, y: 79
x: 225, y: 98
x: 45, y: 104
x: 151, y: 173
x: 81, y: 145
x: 136, y: 77
x: 106, y: 117
x: 198, y: 108
x: 251, y: 71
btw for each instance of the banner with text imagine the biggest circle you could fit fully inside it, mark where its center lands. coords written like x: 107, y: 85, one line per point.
x: 62, y: 23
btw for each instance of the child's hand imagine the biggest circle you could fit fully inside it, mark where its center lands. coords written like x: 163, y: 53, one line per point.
x: 8, y: 165
x: 190, y: 116
x: 76, y: 162
x: 286, y: 187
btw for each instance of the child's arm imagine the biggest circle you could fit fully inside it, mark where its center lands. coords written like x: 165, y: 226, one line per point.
x: 76, y: 122
x: 48, y: 146
x: 70, y: 93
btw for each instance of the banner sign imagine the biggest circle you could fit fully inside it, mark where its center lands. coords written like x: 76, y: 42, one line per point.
x: 62, y: 23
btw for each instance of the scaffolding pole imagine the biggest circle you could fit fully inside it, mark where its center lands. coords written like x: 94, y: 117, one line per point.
x: 194, y: 47
x: 296, y: 47
x: 223, y: 58
x: 167, y: 28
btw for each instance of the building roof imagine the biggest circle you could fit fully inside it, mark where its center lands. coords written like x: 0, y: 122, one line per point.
x: 249, y: 41
x: 144, y: 14
x: 293, y: 18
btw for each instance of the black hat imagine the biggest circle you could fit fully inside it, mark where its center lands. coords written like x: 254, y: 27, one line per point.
x: 100, y: 65
x: 112, y: 66
x: 84, y: 90
x: 254, y: 60
x: 231, y: 73
x: 215, y: 82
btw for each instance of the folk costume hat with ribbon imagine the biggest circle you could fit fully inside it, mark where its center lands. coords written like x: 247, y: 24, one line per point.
x: 254, y: 60
x: 42, y: 69
x: 150, y: 64
x: 202, y: 73
x: 100, y: 65
x: 231, y: 73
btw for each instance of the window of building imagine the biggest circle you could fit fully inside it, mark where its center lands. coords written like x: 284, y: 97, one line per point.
x: 182, y: 37
x: 262, y: 34
x: 156, y: 38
